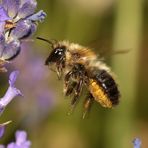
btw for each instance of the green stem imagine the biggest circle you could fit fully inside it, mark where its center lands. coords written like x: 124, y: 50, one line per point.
x: 127, y: 35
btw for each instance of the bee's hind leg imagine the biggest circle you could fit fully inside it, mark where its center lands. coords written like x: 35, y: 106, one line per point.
x: 87, y: 104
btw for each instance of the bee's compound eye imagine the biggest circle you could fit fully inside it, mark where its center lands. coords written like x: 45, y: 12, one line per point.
x: 58, y: 52
x: 55, y: 56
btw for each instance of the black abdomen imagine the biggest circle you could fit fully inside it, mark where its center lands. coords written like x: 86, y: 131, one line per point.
x: 108, y: 84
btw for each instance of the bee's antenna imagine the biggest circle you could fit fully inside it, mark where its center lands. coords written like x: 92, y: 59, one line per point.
x: 48, y: 41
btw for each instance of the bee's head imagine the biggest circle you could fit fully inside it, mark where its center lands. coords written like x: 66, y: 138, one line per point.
x: 57, y: 54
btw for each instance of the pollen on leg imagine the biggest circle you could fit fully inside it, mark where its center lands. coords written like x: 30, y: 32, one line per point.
x: 99, y: 95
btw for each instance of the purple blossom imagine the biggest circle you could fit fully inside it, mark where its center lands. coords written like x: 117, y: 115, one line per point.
x: 9, y: 49
x: 2, y: 128
x: 137, y: 143
x: 41, y: 14
x: 3, y: 15
x: 2, y: 26
x: 20, y: 13
x: 2, y: 66
x: 18, y: 21
x: 11, y: 93
x: 21, y: 141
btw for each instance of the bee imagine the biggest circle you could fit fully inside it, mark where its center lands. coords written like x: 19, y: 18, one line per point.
x: 81, y: 67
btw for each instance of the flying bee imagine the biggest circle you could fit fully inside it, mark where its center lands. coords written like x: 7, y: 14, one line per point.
x: 80, y: 68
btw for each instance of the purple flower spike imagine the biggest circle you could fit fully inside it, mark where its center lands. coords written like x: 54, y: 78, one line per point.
x: 2, y: 42
x: 20, y: 13
x: 10, y: 50
x: 2, y: 128
x: 21, y: 141
x: 11, y: 93
x: 137, y: 143
x: 12, y: 78
x: 18, y: 21
x: 27, y: 9
x: 3, y: 14
x: 11, y: 6
x: 39, y: 16
x: 24, y: 29
x: 2, y: 26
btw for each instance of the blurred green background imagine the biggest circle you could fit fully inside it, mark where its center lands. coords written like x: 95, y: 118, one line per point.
x: 102, y: 25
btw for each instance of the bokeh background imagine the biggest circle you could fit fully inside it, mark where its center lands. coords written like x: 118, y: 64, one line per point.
x: 104, y: 26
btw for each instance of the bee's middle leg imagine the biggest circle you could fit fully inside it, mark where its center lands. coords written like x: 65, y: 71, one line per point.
x: 70, y: 88
x: 77, y: 92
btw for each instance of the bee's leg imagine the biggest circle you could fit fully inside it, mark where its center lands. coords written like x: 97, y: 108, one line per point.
x: 59, y: 68
x: 58, y: 73
x: 87, y: 104
x: 70, y: 88
x: 50, y: 68
x: 77, y: 93
x: 67, y: 81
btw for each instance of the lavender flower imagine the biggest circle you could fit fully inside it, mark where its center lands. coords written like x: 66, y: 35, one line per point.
x: 9, y: 49
x: 3, y: 15
x: 137, y: 143
x: 18, y: 21
x: 20, y: 15
x: 2, y: 128
x: 21, y: 141
x: 2, y: 66
x: 11, y: 93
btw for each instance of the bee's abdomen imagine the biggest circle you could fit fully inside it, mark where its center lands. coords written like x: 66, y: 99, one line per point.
x: 108, y: 84
x: 104, y: 89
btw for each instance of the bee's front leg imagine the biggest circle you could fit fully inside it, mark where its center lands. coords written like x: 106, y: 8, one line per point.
x: 59, y: 70
x: 67, y: 82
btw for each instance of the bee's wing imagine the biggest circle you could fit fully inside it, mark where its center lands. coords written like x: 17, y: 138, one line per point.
x: 115, y: 52
x: 104, y: 49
